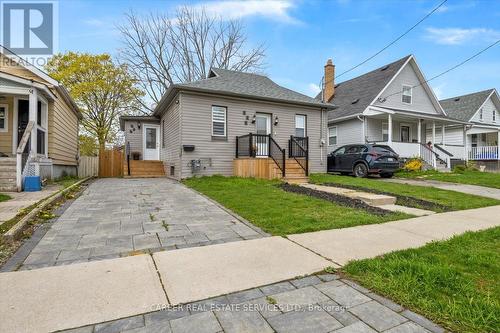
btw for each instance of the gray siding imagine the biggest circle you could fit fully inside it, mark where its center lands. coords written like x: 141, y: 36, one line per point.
x: 348, y: 132
x: 216, y: 155
x: 421, y: 102
x: 170, y: 138
x: 488, y: 109
x: 134, y: 135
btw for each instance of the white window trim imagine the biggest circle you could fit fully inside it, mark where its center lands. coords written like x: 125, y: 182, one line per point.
x: 6, y: 122
x: 305, y: 123
x: 44, y: 124
x: 403, y: 94
x: 331, y: 136
x: 218, y: 121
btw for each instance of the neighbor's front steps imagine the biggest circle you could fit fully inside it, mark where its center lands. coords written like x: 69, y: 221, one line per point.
x: 8, y: 174
x: 383, y: 201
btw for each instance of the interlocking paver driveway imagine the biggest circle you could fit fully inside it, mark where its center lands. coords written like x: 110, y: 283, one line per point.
x: 114, y: 217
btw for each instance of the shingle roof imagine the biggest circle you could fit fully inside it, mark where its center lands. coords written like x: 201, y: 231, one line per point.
x: 251, y: 85
x: 363, y: 88
x: 464, y: 107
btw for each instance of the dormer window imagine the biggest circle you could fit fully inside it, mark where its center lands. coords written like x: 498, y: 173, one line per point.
x: 481, y: 114
x: 407, y: 94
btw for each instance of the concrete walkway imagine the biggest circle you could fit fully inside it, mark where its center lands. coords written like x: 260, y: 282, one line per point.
x: 69, y: 296
x: 20, y: 200
x: 482, y: 191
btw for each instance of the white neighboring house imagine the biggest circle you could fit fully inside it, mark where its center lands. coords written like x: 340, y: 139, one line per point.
x: 481, y: 142
x: 391, y: 105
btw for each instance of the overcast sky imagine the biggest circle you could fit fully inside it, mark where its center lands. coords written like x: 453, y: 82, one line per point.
x: 301, y: 35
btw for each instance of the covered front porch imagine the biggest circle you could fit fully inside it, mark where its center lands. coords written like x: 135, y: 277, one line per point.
x: 24, y: 119
x: 483, y: 143
x: 412, y: 135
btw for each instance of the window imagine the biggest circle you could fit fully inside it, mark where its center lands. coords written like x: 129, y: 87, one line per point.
x: 332, y: 136
x: 300, y: 125
x: 40, y: 142
x: 407, y: 92
x: 481, y: 114
x: 3, y: 117
x: 385, y: 132
x: 219, y: 121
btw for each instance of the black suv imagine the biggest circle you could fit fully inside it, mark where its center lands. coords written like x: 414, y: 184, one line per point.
x: 362, y: 160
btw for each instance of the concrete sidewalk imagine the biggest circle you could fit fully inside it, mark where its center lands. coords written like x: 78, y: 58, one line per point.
x: 64, y: 297
x: 344, y: 245
x: 482, y: 191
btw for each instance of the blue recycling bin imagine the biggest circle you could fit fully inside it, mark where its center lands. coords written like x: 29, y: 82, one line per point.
x: 32, y: 183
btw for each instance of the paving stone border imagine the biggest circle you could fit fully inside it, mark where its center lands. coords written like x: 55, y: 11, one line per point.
x: 16, y: 260
x: 319, y: 303
x: 15, y: 231
x: 335, y: 198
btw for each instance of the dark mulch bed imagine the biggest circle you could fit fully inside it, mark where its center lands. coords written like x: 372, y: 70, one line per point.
x: 402, y: 200
x: 338, y: 199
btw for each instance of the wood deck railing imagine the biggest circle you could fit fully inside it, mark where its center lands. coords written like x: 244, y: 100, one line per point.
x: 483, y: 153
x: 260, y: 145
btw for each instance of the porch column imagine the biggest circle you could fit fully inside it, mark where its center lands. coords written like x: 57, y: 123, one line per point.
x: 443, y: 135
x: 433, y: 133
x: 389, y: 128
x: 466, y: 149
x: 33, y: 113
x: 498, y: 146
x: 419, y: 131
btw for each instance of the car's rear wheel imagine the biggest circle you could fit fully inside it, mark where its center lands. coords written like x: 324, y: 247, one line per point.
x: 386, y: 175
x: 360, y: 170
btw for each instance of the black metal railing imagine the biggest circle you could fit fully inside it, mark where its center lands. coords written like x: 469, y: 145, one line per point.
x: 277, y: 154
x: 260, y: 145
x: 298, y: 149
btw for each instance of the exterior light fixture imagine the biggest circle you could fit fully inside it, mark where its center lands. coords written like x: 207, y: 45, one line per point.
x: 276, y: 121
x: 253, y: 119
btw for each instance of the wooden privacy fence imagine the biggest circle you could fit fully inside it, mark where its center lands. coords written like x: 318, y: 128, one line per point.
x: 88, y: 166
x: 111, y: 163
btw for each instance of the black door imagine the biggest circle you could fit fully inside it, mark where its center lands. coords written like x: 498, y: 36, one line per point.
x: 352, y: 153
x: 23, y: 117
x: 335, y: 158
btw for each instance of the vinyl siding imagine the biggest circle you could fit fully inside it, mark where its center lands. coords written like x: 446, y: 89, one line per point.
x: 421, y: 101
x: 133, y: 135
x: 6, y: 137
x: 348, y: 132
x: 488, y: 109
x: 216, y: 155
x: 63, y: 133
x: 170, y: 154
x: 10, y: 67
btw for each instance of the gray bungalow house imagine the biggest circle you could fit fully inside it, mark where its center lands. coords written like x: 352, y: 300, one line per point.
x: 390, y: 105
x: 482, y: 136
x: 231, y: 123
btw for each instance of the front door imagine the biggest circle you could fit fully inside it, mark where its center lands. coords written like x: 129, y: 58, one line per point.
x: 405, y: 133
x: 151, y: 142
x: 263, y: 127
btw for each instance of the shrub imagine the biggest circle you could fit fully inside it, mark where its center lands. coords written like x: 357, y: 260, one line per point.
x: 459, y: 168
x: 413, y: 164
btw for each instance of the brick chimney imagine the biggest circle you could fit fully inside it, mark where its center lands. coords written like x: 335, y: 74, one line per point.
x: 329, y: 81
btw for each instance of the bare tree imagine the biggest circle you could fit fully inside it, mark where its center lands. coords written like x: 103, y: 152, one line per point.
x: 161, y: 50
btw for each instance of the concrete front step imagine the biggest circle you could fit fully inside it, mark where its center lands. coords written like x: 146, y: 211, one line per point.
x: 407, y: 210
x: 369, y: 198
x: 296, y: 180
x: 10, y: 188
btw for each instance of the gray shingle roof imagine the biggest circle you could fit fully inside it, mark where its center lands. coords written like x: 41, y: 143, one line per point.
x: 464, y: 107
x: 250, y: 85
x: 363, y: 88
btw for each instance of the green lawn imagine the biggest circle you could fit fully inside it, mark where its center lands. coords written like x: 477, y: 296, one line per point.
x: 279, y: 212
x: 4, y: 197
x: 66, y: 181
x: 454, y: 200
x: 455, y: 283
x: 467, y: 177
